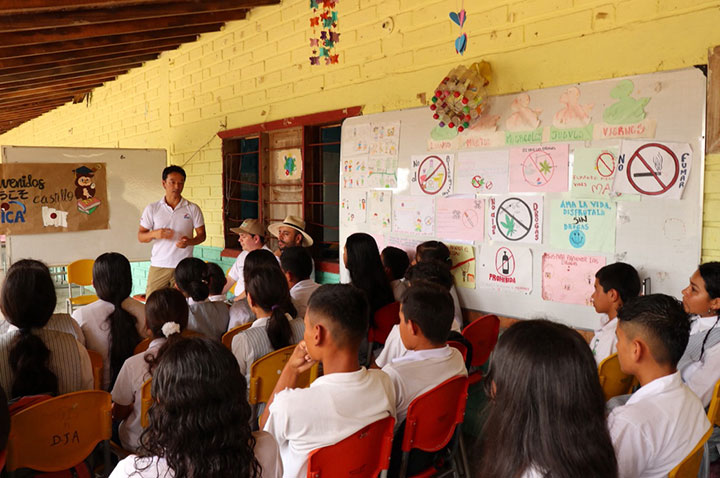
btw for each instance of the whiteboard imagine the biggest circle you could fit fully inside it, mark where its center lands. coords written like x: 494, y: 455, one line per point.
x: 660, y: 237
x: 133, y: 181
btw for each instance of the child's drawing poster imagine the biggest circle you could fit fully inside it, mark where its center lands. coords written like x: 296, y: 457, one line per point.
x: 288, y: 164
x: 382, y: 172
x: 463, y: 264
x: 379, y: 210
x: 460, y: 218
x: 583, y: 224
x: 354, y: 172
x: 653, y: 169
x: 413, y: 215
x: 384, y: 140
x: 406, y: 244
x: 431, y: 175
x: 539, y: 168
x: 515, y: 218
x: 353, y: 207
x: 594, y: 171
x: 481, y: 172
x: 569, y: 278
x: 507, y: 267
x: 356, y: 139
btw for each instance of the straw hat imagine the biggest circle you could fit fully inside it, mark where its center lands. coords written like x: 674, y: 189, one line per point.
x: 249, y: 226
x: 294, y: 222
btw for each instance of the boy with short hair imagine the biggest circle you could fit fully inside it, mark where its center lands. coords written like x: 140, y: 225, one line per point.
x: 297, y: 266
x: 664, y: 420
x: 615, y: 284
x: 345, y: 399
x: 395, y: 261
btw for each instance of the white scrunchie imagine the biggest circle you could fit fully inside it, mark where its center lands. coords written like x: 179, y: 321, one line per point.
x: 170, y: 328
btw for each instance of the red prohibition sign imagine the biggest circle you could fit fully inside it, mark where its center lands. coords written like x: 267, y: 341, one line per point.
x: 505, y: 264
x: 663, y: 187
x: 423, y: 184
x: 605, y: 164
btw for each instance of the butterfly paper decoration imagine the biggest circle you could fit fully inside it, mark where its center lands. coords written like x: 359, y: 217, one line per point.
x: 459, y: 19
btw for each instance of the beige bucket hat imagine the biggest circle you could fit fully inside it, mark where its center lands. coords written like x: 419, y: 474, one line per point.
x: 294, y: 222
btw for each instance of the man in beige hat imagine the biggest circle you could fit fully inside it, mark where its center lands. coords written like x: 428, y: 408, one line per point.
x: 289, y: 233
x: 251, y: 237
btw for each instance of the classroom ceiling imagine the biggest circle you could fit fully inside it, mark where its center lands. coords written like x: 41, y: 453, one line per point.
x: 56, y: 51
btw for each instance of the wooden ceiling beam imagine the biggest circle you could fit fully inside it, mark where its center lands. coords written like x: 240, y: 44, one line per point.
x: 34, y: 112
x: 48, y: 90
x: 59, y: 83
x: 60, y: 93
x: 22, y: 6
x: 64, y: 78
x: 75, y: 71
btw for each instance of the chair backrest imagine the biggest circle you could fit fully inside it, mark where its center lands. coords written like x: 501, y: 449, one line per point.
x: 228, y: 336
x: 460, y: 346
x: 482, y: 333
x: 145, y: 402
x: 96, y: 362
x: 714, y: 408
x: 689, y: 467
x: 59, y: 433
x: 612, y: 380
x: 364, y: 454
x: 265, y: 372
x: 432, y: 417
x: 80, y: 272
x: 384, y: 320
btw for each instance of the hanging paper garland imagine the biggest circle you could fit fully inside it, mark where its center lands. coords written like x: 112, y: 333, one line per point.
x: 325, y: 19
x: 459, y: 19
x: 458, y: 99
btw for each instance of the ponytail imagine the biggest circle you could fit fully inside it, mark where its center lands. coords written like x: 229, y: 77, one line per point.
x: 166, y: 314
x: 192, y: 277
x: 172, y: 338
x: 268, y: 290
x: 278, y: 329
x: 29, y: 358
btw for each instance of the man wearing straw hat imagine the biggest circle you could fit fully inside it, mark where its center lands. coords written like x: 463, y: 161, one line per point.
x: 251, y: 236
x: 289, y: 233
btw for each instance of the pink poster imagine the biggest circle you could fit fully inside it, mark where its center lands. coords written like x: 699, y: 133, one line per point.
x: 539, y: 169
x: 459, y: 218
x: 569, y: 278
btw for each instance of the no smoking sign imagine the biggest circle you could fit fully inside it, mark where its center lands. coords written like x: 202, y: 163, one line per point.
x: 653, y: 169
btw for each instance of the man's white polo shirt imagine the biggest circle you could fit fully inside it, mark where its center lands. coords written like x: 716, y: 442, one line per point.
x: 183, y: 220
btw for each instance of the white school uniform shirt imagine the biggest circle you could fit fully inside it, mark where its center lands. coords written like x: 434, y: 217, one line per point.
x: 334, y: 407
x: 532, y: 472
x: 399, y: 286
x: 702, y: 376
x: 96, y: 328
x: 236, y: 270
x: 266, y: 453
x: 418, y: 371
x: 300, y: 294
x: 254, y: 343
x: 657, y: 428
x: 183, y: 220
x: 127, y: 391
x: 457, y: 324
x: 217, y: 298
x: 604, y: 342
x: 394, y: 348
x: 211, y: 319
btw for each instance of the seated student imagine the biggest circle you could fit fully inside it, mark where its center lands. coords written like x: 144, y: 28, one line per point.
x: 208, y: 318
x: 251, y: 236
x: 199, y: 422
x: 426, y: 312
x: 167, y: 317
x: 362, y: 260
x: 615, y: 284
x: 545, y: 410
x: 437, y: 251
x: 275, y: 327
x: 109, y: 328
x: 345, y: 399
x: 395, y: 262
x: 297, y: 265
x: 240, y: 312
x: 216, y: 282
x: 664, y: 420
x: 35, y: 360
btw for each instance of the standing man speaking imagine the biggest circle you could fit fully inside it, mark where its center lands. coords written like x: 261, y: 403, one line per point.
x: 170, y: 222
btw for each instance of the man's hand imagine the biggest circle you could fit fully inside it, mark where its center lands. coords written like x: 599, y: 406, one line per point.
x: 163, y: 233
x: 300, y: 360
x: 183, y: 242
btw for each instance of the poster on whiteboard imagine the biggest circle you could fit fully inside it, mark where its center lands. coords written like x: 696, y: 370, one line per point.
x: 507, y: 267
x: 653, y: 169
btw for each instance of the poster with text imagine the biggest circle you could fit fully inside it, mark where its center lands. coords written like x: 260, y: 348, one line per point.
x: 413, y: 215
x: 506, y: 267
x: 594, y: 171
x: 540, y: 169
x: 353, y: 207
x: 583, y: 224
x: 463, y: 264
x: 481, y: 172
x: 379, y: 210
x: 406, y: 244
x: 569, y: 278
x: 653, y: 169
x: 459, y: 218
x: 515, y: 218
x: 431, y: 175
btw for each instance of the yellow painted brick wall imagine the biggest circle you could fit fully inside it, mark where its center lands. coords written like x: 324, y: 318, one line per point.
x: 391, y: 53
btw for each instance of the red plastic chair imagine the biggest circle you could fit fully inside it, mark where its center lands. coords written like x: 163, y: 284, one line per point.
x: 432, y: 420
x: 364, y: 454
x: 482, y: 335
x: 460, y: 346
x: 384, y: 320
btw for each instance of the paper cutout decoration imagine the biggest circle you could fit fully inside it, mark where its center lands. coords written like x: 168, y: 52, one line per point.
x: 515, y: 218
x: 353, y: 207
x: 431, y: 175
x: 523, y: 117
x: 653, y: 169
x: 573, y: 114
x: 459, y: 218
x: 627, y: 109
x: 569, y: 278
x: 354, y: 172
x: 539, y: 169
x: 507, y: 267
x: 288, y: 163
x: 459, y: 98
x: 54, y: 217
x: 594, y: 172
x: 481, y: 172
x: 379, y: 210
x: 324, y: 16
x: 413, y: 215
x: 463, y: 265
x: 583, y: 224
x: 461, y: 41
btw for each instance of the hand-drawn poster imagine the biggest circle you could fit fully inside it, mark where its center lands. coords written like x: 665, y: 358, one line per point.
x: 413, y: 215
x: 626, y: 116
x: 353, y: 207
x: 288, y: 164
x: 431, y: 175
x: 483, y: 172
x: 459, y: 218
x: 569, y: 278
x: 382, y: 172
x: 355, y: 172
x: 356, y: 139
x: 506, y: 267
x: 583, y: 224
x: 515, y: 218
x: 463, y: 264
x: 594, y: 171
x: 384, y: 139
x: 404, y: 243
x: 653, y: 169
x: 379, y: 210
x: 37, y: 198
x: 539, y: 169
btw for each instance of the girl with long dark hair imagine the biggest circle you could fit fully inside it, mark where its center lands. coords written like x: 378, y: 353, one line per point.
x: 362, y: 260
x: 240, y: 312
x: 210, y: 319
x: 438, y: 252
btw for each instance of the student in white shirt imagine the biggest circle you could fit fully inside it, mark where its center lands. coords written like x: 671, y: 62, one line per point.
x: 395, y: 261
x: 614, y: 284
x: 199, y: 423
x: 664, y: 420
x: 216, y: 283
x: 167, y: 316
x: 438, y: 251
x: 546, y: 409
x: 108, y: 327
x: 240, y: 312
x: 207, y: 318
x: 345, y: 399
x: 296, y: 264
x: 251, y: 236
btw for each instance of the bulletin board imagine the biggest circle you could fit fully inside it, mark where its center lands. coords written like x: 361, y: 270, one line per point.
x: 546, y: 188
x: 133, y: 181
